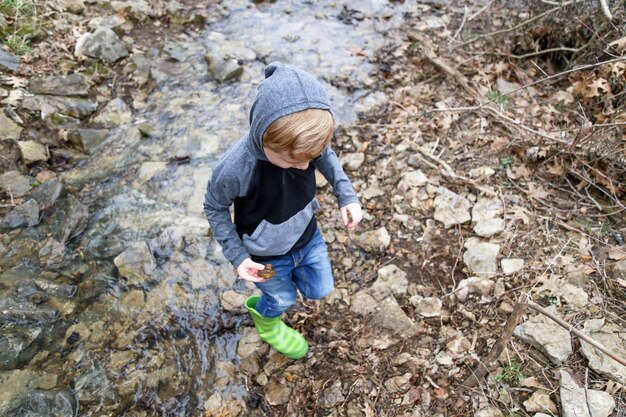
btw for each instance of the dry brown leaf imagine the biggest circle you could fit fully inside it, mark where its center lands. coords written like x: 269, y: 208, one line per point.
x: 519, y: 171
x: 531, y: 382
x: 537, y: 192
x: 617, y: 253
x: 619, y: 44
x: 556, y: 169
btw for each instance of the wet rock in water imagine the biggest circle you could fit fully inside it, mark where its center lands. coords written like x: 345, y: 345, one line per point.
x: 9, y: 61
x: 92, y: 385
x: 223, y: 69
x: 399, y: 383
x: 25, y: 312
x: 412, y: 179
x: 485, y: 209
x: 277, y: 393
x: 26, y: 214
x: 451, y: 208
x: 8, y: 128
x: 87, y: 140
x: 511, y: 266
x: 352, y: 161
x: 48, y: 403
x: 32, y: 151
x: 16, y: 386
x: 332, y: 396
x: 216, y: 406
x: 490, y: 227
x: 68, y: 218
x: 67, y: 106
x: 232, y: 300
x: 136, y: 263
x: 72, y: 6
x: 480, y: 258
x: 474, y: 285
x: 427, y: 307
x: 59, y: 85
x: 547, y: 336
x: 249, y: 343
x: 489, y: 411
x: 149, y: 170
x: 140, y: 68
x: 577, y: 401
x: 115, y: 113
x: 387, y: 326
x: 375, y: 240
x: 540, y: 401
x: 103, y: 44
x: 613, y: 338
x: 18, y: 345
x: 16, y: 184
x: 391, y: 280
x: 47, y: 193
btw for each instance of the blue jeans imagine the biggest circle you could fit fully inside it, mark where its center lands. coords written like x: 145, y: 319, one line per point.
x: 307, y: 269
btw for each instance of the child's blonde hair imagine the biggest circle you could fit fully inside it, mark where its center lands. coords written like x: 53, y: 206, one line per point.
x: 303, y: 135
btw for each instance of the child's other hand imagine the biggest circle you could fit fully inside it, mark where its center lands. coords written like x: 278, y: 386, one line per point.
x: 248, y: 270
x: 351, y: 215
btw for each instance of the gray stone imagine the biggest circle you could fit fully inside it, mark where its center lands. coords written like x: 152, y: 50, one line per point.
x: 9, y: 61
x: 32, y: 151
x: 72, y: 6
x: 489, y: 411
x: 400, y: 383
x: 614, y: 339
x: 103, y: 44
x: 232, y: 300
x: 387, y: 326
x: 68, y: 106
x: 15, y: 183
x: 59, y: 85
x: 17, y: 346
x: 391, y: 280
x: 68, y: 217
x: 108, y: 22
x: 184, y: 15
x: 573, y: 295
x: 48, y: 403
x: 412, y: 179
x: 332, y: 396
x: 115, y: 113
x: 362, y: 303
x: 87, y: 140
x: 47, y: 193
x: 486, y: 208
x: 576, y: 401
x: 26, y: 214
x: 481, y: 257
x: 17, y: 384
x: 540, y: 401
x: 374, y: 240
x: 490, y: 227
x: 8, y: 128
x: 511, y: 266
x: 547, y: 336
x: 451, y: 208
x: 352, y: 161
x: 136, y: 263
x: 249, y: 343
x: 428, y: 306
x: 223, y: 68
x: 140, y: 68
x: 92, y: 385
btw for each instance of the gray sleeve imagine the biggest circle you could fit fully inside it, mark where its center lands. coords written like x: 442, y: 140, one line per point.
x: 220, y: 195
x: 330, y: 167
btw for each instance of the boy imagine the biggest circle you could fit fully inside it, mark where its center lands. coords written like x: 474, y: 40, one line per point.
x: 269, y: 176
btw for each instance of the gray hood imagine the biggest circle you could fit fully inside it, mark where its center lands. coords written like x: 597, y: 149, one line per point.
x: 285, y: 90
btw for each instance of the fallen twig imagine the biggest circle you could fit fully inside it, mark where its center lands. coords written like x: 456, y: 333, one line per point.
x: 577, y: 332
x: 490, y: 362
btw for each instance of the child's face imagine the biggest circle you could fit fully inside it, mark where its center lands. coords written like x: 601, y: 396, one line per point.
x: 283, y: 160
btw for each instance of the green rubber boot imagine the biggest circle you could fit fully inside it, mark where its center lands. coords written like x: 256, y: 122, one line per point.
x: 273, y: 331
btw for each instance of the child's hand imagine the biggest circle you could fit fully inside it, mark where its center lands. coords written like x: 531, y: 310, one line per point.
x: 351, y: 215
x: 248, y: 270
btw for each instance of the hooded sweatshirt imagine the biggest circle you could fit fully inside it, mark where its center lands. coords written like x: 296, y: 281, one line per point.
x: 273, y: 207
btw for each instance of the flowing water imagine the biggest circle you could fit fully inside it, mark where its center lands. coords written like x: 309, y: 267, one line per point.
x: 160, y: 340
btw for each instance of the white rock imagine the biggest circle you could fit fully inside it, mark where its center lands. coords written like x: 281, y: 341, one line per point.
x: 373, y: 240
x: 613, y: 338
x: 489, y: 227
x: 576, y: 401
x: 474, y: 285
x: 547, y: 336
x: 512, y: 265
x: 427, y: 307
x: 353, y: 161
x: 481, y: 258
x: 484, y: 172
x: 489, y: 411
x: 573, y: 295
x: 451, y: 208
x: 362, y: 303
x: 372, y: 192
x: 486, y: 208
x: 444, y: 358
x: 32, y: 151
x: 391, y: 280
x: 412, y: 179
